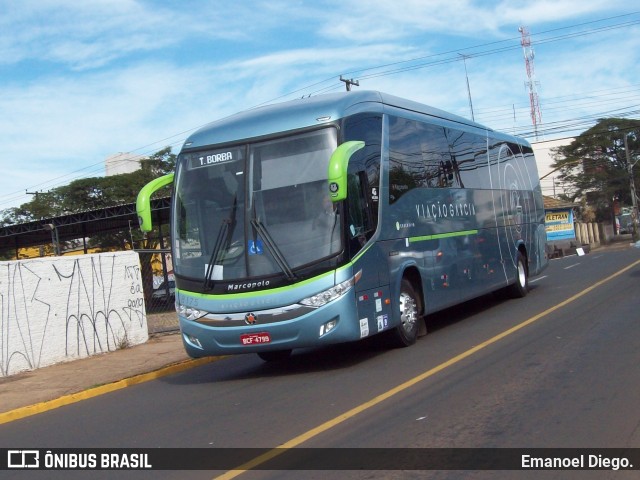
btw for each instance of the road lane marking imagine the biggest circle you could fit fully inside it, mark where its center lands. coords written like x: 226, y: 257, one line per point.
x: 537, y: 279
x: 571, y: 266
x: 295, y: 442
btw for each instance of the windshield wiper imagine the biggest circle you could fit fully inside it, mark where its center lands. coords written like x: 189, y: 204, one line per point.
x: 273, y: 248
x: 215, y: 254
x: 225, y: 233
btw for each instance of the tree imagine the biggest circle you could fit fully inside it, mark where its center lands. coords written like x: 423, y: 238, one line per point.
x: 92, y: 193
x: 596, y: 164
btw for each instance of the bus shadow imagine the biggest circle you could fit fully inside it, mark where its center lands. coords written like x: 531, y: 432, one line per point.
x: 463, y: 311
x: 329, y: 358
x: 346, y: 355
x: 302, y: 361
x: 333, y: 357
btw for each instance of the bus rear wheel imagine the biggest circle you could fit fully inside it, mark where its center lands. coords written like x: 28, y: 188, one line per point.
x: 406, y: 333
x: 520, y: 288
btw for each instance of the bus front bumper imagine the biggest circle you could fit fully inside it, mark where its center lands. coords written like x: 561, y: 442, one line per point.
x: 253, y: 332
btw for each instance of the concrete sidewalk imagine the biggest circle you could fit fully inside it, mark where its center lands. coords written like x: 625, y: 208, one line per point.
x: 164, y: 348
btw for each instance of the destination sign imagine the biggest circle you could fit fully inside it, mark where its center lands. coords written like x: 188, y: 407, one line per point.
x: 214, y: 157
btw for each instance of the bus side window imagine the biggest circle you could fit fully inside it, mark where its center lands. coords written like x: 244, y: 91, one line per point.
x: 368, y: 128
x: 359, y: 216
x: 406, y: 167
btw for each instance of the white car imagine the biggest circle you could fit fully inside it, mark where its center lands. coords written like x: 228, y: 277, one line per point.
x: 161, y: 292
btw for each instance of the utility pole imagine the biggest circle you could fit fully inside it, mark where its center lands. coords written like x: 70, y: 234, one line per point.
x: 632, y: 187
x: 26, y: 192
x: 464, y: 59
x: 55, y: 239
x: 349, y: 83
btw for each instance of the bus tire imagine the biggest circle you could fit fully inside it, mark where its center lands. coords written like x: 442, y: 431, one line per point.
x: 520, y: 288
x: 406, y: 333
x: 274, y: 355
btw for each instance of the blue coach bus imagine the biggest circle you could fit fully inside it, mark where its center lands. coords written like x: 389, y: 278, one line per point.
x: 333, y: 218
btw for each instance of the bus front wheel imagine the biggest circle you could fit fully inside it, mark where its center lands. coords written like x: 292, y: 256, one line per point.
x: 406, y: 333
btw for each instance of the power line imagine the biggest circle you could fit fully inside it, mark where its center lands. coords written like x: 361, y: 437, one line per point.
x: 507, y: 115
x: 512, y: 46
x: 410, y: 65
x: 482, y: 45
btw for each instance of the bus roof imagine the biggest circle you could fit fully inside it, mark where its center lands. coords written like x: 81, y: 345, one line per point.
x: 307, y: 112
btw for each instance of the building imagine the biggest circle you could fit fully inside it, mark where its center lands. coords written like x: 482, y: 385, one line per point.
x: 543, y: 150
x: 122, y: 162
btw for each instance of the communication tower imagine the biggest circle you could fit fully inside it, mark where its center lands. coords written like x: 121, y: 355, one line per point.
x: 531, y: 83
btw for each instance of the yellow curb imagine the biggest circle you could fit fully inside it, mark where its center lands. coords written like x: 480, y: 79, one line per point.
x: 41, y: 407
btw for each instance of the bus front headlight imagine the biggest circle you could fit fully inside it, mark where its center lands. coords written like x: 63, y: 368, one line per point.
x: 187, y: 312
x: 331, y: 294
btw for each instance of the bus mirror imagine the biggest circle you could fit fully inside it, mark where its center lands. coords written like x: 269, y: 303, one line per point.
x: 143, y: 202
x: 337, y: 173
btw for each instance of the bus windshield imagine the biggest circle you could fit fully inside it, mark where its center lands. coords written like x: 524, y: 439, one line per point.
x: 255, y: 210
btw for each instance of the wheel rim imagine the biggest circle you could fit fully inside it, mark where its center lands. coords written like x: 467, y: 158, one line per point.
x: 408, y: 312
x: 522, y: 274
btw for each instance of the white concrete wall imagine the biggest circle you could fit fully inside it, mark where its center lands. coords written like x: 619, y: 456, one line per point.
x: 57, y: 309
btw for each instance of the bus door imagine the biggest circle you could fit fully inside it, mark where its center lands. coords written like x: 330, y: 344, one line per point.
x: 372, y: 289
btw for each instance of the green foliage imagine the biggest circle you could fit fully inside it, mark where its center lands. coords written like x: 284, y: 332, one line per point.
x: 596, y: 163
x: 93, y: 193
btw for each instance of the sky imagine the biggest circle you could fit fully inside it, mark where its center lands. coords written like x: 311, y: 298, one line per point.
x: 83, y: 80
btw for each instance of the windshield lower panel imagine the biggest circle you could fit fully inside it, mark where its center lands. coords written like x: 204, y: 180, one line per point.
x: 254, y: 216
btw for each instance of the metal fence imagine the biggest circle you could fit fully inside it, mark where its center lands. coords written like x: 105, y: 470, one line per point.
x: 157, y: 280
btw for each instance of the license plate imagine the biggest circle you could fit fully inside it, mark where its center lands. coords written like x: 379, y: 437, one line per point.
x: 255, y: 338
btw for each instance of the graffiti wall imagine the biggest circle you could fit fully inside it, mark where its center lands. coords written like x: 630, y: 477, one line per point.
x: 57, y: 309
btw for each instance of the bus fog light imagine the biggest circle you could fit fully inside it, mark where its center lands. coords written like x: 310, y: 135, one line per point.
x: 193, y: 340
x: 327, y: 327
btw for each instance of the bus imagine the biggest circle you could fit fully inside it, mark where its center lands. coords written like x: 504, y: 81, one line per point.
x: 333, y: 218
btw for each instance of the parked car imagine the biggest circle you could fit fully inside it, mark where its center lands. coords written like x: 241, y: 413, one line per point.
x: 161, y: 292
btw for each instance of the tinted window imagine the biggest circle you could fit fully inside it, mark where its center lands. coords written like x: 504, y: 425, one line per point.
x: 438, y: 144
x: 368, y: 129
x: 470, y: 160
x: 434, y: 156
x: 406, y: 166
x: 364, y: 168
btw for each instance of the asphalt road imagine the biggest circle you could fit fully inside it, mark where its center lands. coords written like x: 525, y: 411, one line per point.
x: 559, y: 368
